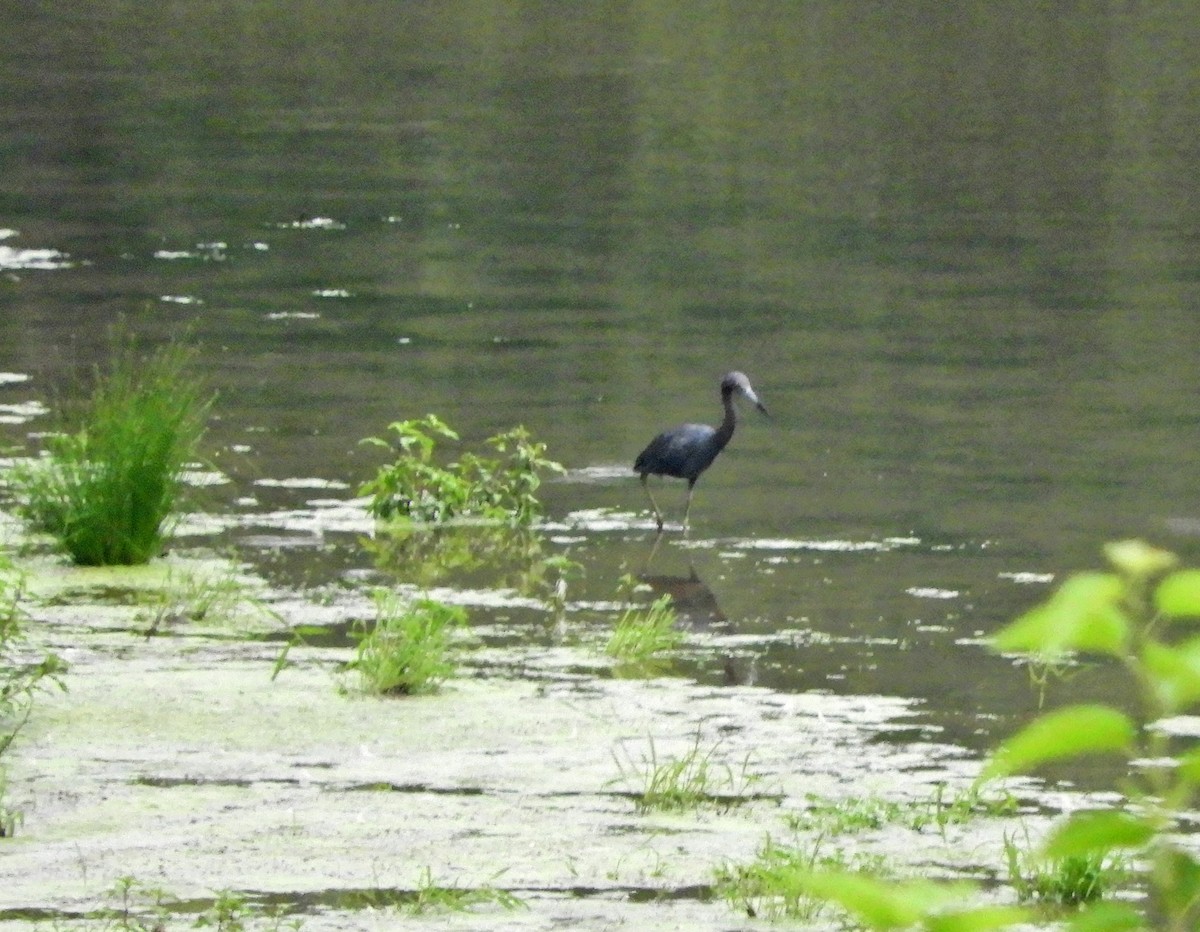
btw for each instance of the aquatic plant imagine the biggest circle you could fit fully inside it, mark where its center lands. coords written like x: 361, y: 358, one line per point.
x: 415, y: 486
x: 772, y: 885
x: 692, y: 780
x: 405, y: 649
x: 19, y: 681
x: 218, y: 598
x: 642, y: 634
x: 853, y: 814
x: 431, y: 895
x: 1137, y: 614
x: 107, y: 490
x: 1065, y: 881
x: 140, y: 907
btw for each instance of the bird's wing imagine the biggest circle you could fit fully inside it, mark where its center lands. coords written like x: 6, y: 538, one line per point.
x: 673, y: 451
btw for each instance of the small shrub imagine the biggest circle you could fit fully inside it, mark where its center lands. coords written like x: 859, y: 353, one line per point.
x: 406, y: 649
x: 416, y: 487
x: 108, y: 490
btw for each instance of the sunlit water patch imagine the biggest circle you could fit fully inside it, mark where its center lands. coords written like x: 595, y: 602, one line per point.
x: 45, y: 259
x: 22, y: 412
x: 932, y: 592
x: 883, y: 545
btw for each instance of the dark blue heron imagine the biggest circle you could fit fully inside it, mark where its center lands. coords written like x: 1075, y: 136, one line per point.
x: 684, y: 452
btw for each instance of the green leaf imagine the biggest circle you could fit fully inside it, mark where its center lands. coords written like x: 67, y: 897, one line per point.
x: 881, y: 904
x: 1106, y: 917
x: 1139, y: 559
x: 1084, y: 614
x: 1087, y: 833
x: 1174, y: 674
x: 1178, y: 596
x: 1066, y: 732
x: 1177, y: 879
x: 1189, y: 767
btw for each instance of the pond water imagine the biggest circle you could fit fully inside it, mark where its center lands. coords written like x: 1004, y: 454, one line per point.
x: 954, y: 248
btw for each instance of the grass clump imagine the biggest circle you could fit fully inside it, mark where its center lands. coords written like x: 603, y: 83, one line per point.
x: 108, y: 489
x: 431, y: 896
x: 417, y: 487
x: 642, y: 634
x: 216, y: 598
x: 139, y: 907
x: 405, y: 650
x: 1067, y: 881
x: 773, y: 885
x: 692, y: 780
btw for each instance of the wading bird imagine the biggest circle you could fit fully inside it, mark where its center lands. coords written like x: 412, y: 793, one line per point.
x: 684, y: 452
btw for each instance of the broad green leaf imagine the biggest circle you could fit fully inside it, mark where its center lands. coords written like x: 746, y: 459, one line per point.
x: 1177, y: 878
x: 1139, y: 559
x: 1066, y: 732
x: 1087, y: 833
x: 1106, y: 917
x: 1189, y: 767
x: 1178, y: 596
x: 881, y: 904
x: 1084, y: 614
x: 1174, y: 674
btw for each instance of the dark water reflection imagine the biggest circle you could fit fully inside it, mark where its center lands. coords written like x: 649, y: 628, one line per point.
x: 954, y: 247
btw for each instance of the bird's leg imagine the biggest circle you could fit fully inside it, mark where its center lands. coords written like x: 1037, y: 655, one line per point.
x: 688, y: 508
x: 653, y: 504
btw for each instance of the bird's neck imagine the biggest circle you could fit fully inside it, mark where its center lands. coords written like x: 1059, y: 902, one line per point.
x: 725, y: 431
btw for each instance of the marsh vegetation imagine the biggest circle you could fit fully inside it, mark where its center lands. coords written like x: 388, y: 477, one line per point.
x: 108, y: 488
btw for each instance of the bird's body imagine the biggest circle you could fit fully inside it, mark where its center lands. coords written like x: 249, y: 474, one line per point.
x: 684, y: 452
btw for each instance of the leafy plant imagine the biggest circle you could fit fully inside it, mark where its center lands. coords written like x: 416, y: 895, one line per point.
x: 107, y: 490
x: 1136, y: 614
x: 417, y: 487
x: 405, y: 650
x: 692, y: 780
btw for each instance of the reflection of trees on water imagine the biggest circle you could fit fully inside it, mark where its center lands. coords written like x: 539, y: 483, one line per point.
x: 504, y: 556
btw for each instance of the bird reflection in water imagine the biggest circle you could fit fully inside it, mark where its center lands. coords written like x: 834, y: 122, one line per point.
x: 696, y: 607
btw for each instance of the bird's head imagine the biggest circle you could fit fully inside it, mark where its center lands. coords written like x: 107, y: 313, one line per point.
x: 736, y: 383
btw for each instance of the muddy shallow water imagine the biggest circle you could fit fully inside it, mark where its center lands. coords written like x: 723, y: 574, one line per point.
x: 954, y: 252
x: 175, y: 759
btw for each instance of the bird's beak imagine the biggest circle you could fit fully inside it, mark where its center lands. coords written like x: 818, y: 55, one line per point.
x: 750, y: 396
